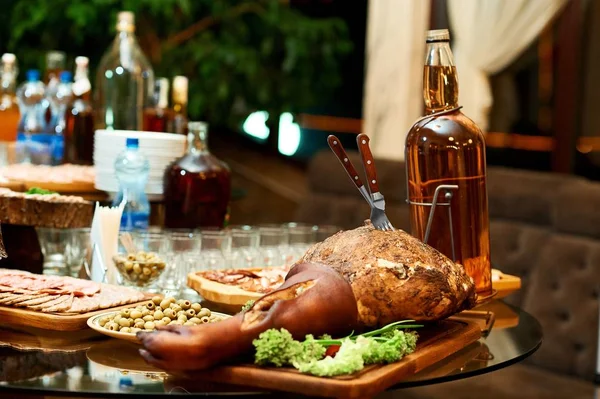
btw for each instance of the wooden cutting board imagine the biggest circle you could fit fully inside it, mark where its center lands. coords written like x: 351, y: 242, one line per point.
x: 436, y: 342
x: 52, y: 321
x: 220, y: 293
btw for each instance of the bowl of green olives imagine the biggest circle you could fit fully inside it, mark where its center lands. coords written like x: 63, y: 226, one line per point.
x: 157, y: 312
x: 140, y: 268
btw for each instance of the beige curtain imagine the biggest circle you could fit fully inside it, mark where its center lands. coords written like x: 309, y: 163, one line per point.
x: 487, y: 35
x: 395, y: 53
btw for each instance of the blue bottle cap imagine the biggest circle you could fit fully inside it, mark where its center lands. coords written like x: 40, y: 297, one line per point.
x: 32, y: 75
x: 65, y: 76
x: 132, y: 143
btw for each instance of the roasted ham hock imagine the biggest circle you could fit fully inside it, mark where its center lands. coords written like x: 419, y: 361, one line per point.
x: 354, y: 280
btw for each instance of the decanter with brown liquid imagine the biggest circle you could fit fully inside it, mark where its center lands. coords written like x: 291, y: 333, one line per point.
x: 197, y: 186
x: 445, y: 152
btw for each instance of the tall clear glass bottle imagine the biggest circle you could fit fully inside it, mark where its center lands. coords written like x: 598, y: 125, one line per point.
x: 197, y: 186
x: 446, y: 153
x: 124, y: 81
x: 79, y: 136
x: 9, y: 108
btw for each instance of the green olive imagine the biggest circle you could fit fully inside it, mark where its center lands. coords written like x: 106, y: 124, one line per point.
x: 128, y: 265
x: 189, y: 323
x: 203, y: 312
x: 197, y: 307
x: 150, y: 305
x: 194, y: 320
x: 138, y: 320
x: 190, y: 313
x: 136, y: 314
x: 125, y: 330
x: 185, y: 304
x: 164, y: 304
x: 113, y: 327
x: 148, y: 318
x: 158, y: 315
x: 126, y: 313
x: 145, y: 312
x: 149, y: 325
x: 166, y: 320
x: 183, y: 318
x: 103, y: 321
x: 139, y: 324
x: 124, y: 323
x: 157, y: 300
x: 177, y: 309
x: 204, y: 319
x: 135, y: 330
x: 181, y: 313
x: 137, y: 269
x: 146, y: 271
x: 161, y: 265
x: 169, y: 313
x: 170, y: 299
x: 159, y: 323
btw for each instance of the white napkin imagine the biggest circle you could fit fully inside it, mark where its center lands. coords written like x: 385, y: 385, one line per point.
x: 105, y: 242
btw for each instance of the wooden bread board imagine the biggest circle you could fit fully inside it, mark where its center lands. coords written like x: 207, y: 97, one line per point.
x: 53, y: 321
x: 436, y: 342
x: 220, y: 293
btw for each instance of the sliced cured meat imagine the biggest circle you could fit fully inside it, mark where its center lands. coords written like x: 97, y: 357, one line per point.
x: 83, y: 304
x: 37, y: 301
x: 54, y: 302
x: 21, y: 298
x: 61, y: 307
x: 9, y: 298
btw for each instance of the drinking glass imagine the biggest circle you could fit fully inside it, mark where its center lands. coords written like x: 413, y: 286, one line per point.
x: 301, y: 238
x: 215, y: 249
x: 153, y: 241
x: 244, y: 247
x: 274, y: 249
x: 64, y: 250
x: 183, y: 249
x: 79, y: 251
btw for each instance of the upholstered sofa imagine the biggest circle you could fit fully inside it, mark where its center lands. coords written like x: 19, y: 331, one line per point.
x: 545, y: 228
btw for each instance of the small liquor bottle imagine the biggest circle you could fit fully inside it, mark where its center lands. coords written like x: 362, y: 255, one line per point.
x: 445, y: 161
x: 79, y: 135
x: 156, y: 118
x: 180, y: 100
x: 197, y: 186
x: 9, y: 108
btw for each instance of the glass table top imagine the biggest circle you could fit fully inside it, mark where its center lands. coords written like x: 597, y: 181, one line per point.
x: 84, y: 364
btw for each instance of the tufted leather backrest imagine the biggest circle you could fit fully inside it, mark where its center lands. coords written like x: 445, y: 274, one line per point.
x: 544, y: 228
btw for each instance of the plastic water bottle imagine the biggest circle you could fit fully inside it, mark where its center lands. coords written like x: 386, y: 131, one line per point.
x: 131, y: 169
x: 33, y: 145
x: 60, y: 98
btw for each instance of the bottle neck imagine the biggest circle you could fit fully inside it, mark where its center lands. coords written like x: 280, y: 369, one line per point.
x: 198, y: 142
x: 440, y: 80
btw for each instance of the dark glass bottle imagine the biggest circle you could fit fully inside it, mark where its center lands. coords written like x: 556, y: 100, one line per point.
x: 197, y: 186
x: 79, y: 135
x: 448, y: 150
x: 156, y: 117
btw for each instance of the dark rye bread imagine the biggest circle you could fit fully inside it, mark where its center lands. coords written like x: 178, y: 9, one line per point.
x: 49, y: 210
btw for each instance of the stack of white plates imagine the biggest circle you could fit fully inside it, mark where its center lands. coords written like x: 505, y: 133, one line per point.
x: 161, y: 149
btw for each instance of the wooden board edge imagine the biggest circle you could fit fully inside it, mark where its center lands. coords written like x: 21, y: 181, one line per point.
x: 367, y: 384
x: 220, y: 293
x: 53, y: 321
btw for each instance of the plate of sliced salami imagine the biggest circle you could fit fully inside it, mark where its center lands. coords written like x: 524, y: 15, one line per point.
x: 57, y: 302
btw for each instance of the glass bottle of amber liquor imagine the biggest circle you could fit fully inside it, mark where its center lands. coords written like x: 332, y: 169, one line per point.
x: 179, y: 121
x: 9, y: 108
x: 79, y: 134
x: 197, y: 187
x: 445, y: 154
x: 156, y: 117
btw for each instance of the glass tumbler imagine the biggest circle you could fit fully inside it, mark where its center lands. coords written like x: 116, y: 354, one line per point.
x: 184, y: 247
x: 301, y: 238
x: 215, y: 250
x: 153, y: 241
x: 274, y: 249
x: 79, y: 251
x: 244, y: 247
